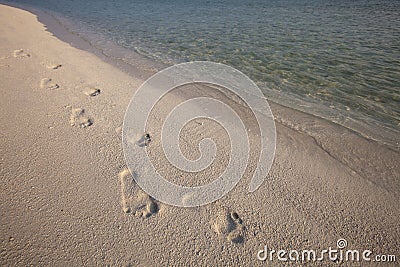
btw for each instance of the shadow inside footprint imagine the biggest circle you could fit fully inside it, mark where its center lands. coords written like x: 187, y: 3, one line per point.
x: 229, y: 225
x: 134, y: 200
x: 78, y: 118
x: 54, y: 66
x: 91, y: 91
x: 47, y: 83
x: 151, y: 208
x: 19, y: 53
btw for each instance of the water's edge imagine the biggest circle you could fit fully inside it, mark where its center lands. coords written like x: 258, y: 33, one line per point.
x: 141, y: 67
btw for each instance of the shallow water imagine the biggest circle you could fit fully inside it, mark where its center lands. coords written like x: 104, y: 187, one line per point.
x: 336, y: 59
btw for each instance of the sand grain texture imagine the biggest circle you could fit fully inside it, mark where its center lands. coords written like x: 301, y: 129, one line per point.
x: 65, y: 202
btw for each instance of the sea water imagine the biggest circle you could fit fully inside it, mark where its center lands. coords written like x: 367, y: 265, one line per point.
x: 339, y: 60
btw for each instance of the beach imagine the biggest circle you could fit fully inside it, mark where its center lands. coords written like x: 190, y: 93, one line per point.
x: 67, y: 197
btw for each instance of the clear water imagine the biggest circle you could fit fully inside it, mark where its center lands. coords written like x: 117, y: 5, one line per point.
x: 336, y: 59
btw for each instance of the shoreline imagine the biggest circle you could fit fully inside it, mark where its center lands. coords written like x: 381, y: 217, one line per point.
x: 68, y: 198
x: 143, y: 67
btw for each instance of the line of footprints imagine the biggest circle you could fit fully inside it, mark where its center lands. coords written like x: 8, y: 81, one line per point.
x: 226, y: 223
x: 78, y: 116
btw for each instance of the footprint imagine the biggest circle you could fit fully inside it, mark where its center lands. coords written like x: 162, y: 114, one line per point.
x: 20, y: 53
x: 54, y: 66
x: 228, y: 224
x: 91, y: 91
x: 47, y: 83
x: 134, y: 200
x: 79, y: 118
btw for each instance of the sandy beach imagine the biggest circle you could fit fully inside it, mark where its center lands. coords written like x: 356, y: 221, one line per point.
x: 67, y: 198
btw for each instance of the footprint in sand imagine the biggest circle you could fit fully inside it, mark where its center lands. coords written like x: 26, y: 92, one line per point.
x: 134, y: 200
x: 79, y: 118
x: 47, y: 83
x: 91, y: 91
x: 228, y: 224
x: 54, y: 66
x: 19, y: 53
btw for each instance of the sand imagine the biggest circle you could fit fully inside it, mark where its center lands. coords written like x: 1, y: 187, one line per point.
x: 67, y: 198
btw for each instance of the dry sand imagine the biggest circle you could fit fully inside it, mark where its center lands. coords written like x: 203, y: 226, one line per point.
x: 67, y: 198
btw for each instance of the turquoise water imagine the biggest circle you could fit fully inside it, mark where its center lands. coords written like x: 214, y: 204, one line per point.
x: 336, y: 59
